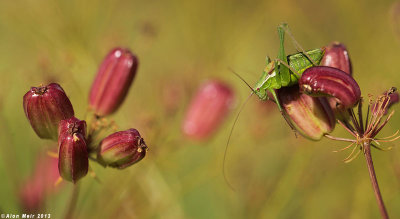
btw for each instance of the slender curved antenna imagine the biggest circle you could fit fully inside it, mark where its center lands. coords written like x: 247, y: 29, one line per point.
x: 240, y: 77
x: 229, y: 138
x: 296, y: 44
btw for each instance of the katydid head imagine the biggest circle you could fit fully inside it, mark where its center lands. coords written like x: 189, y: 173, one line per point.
x: 261, y: 93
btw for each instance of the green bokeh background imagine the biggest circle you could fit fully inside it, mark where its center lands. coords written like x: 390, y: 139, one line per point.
x: 180, y: 44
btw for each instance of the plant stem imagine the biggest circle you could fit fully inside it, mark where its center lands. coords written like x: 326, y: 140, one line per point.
x: 72, y: 202
x: 374, y: 181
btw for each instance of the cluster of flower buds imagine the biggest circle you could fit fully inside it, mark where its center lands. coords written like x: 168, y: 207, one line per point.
x: 207, y: 110
x: 324, y: 93
x: 51, y: 116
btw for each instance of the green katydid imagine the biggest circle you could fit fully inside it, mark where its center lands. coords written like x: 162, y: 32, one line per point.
x: 284, y: 71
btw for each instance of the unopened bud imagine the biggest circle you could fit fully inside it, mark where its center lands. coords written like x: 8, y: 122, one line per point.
x: 122, y: 149
x: 207, y: 110
x: 311, y: 116
x: 337, y: 56
x: 73, y: 160
x: 113, y: 81
x: 45, y: 107
x: 331, y: 82
x: 71, y: 125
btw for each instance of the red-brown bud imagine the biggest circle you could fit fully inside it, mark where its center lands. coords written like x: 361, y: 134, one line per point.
x: 113, y: 81
x: 332, y: 82
x: 122, y: 149
x: 207, y: 110
x: 73, y: 155
x: 71, y: 125
x: 311, y: 116
x: 45, y: 107
x: 336, y: 56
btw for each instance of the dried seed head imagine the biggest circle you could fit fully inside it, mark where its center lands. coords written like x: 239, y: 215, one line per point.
x: 122, y: 149
x: 113, y: 81
x: 332, y: 82
x: 385, y: 101
x: 45, y: 107
x: 73, y: 155
x: 207, y: 110
x: 311, y: 116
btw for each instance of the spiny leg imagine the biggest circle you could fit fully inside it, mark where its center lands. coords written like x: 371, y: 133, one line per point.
x: 282, y: 72
x: 285, y: 27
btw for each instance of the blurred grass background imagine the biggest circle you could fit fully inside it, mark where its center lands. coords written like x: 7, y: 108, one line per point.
x: 179, y: 45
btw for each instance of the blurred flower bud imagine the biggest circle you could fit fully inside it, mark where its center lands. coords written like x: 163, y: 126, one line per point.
x: 122, y: 149
x: 39, y: 184
x: 311, y: 116
x: 207, y: 110
x: 336, y: 56
x: 332, y: 82
x: 73, y: 155
x: 45, y: 107
x: 112, y: 82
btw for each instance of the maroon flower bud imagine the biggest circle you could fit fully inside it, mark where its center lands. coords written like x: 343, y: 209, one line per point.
x: 336, y: 56
x: 71, y: 125
x: 333, y: 82
x: 112, y: 82
x: 207, y: 110
x: 45, y: 107
x: 73, y: 155
x: 122, y: 149
x: 311, y: 116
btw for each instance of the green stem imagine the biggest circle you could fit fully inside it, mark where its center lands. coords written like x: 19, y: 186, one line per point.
x: 72, y: 202
x: 374, y: 181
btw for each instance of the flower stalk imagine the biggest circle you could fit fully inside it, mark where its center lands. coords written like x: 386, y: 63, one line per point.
x: 365, y: 137
x: 374, y: 181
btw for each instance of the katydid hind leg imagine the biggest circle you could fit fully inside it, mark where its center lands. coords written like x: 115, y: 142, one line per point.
x: 273, y: 92
x: 285, y: 27
x: 282, y: 72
